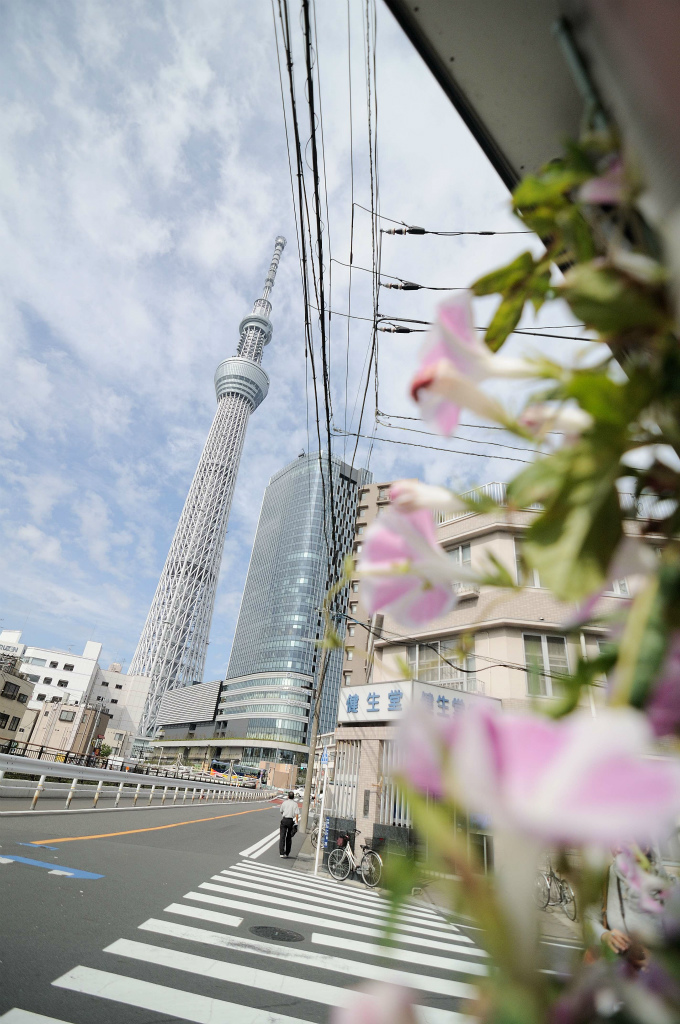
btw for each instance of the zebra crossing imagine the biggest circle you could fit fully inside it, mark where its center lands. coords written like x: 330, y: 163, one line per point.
x: 199, y: 960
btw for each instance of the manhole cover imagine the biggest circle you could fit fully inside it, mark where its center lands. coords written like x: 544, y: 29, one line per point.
x: 266, y: 931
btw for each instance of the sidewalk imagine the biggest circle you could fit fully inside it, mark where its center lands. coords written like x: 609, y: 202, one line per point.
x: 555, y: 925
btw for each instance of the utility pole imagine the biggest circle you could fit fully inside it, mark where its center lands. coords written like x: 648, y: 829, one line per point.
x: 312, y: 738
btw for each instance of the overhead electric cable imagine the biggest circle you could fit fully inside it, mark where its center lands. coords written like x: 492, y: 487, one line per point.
x: 412, y: 229
x: 433, y: 448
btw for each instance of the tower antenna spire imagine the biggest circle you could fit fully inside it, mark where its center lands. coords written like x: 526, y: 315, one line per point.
x: 172, y: 647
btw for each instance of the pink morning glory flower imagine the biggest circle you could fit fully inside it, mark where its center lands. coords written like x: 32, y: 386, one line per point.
x: 404, y: 570
x: 607, y: 189
x: 541, y: 419
x: 379, y: 1003
x: 412, y: 495
x: 453, y: 361
x: 663, y: 706
x: 578, y: 780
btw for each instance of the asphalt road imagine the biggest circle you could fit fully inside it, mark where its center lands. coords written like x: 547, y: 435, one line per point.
x: 153, y: 921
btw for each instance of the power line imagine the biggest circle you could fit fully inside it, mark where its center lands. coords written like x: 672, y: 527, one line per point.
x: 411, y: 229
x: 411, y: 284
x: 430, y: 447
x: 467, y: 426
x: 472, y: 440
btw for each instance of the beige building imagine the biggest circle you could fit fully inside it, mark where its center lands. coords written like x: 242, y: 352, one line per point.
x: 73, y: 728
x: 15, y: 692
x: 508, y: 647
x: 123, y: 697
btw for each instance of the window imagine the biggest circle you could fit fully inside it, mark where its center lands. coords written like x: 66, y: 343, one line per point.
x: 350, y: 631
x: 41, y: 696
x: 62, y: 682
x: 47, y: 681
x: 54, y: 664
x: 10, y: 690
x: 104, y: 684
x: 22, y: 698
x: 360, y: 529
x: 460, y: 554
x: 526, y: 577
x: 355, y: 586
x: 120, y: 736
x: 100, y: 698
x: 546, y: 660
x: 347, y: 676
x: 357, y: 548
x: 55, y: 700
x: 68, y: 668
x: 66, y: 716
x: 441, y: 662
x: 619, y: 588
x: 34, y: 679
x: 350, y: 654
x: 383, y: 493
x: 14, y: 723
x: 4, y: 719
x: 119, y: 686
x: 114, y: 701
x: 353, y: 607
x: 35, y: 661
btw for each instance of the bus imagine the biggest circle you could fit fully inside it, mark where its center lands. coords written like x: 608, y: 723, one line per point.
x: 241, y: 774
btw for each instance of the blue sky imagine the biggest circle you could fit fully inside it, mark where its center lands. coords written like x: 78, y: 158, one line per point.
x: 143, y: 178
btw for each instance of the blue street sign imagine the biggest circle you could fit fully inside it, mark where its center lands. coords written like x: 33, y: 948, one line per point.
x: 324, y: 756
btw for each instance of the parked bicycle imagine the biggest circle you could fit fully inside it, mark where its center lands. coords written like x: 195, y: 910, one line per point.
x: 553, y: 891
x: 314, y: 836
x: 342, y: 860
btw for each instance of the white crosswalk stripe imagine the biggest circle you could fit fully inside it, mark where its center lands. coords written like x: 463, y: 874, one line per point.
x: 338, y: 890
x: 196, y: 945
x: 291, y: 890
x: 342, y: 926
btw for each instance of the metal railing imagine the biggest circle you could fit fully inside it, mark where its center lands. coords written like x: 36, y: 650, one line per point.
x: 42, y: 753
x: 53, y: 769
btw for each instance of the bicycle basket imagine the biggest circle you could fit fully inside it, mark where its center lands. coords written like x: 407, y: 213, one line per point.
x: 341, y: 841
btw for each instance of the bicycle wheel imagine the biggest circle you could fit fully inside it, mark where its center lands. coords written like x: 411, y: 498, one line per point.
x: 542, y: 891
x: 568, y: 901
x: 314, y: 836
x: 339, y: 865
x: 371, y: 868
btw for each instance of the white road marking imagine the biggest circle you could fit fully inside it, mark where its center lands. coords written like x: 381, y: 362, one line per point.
x: 333, y: 887
x: 329, y: 911
x: 263, y: 849
x: 17, y: 1016
x: 260, y: 885
x: 258, y: 844
x: 172, y: 1002
x: 321, y: 961
x: 281, y: 984
x: 206, y: 915
x: 319, y: 921
x: 411, y: 956
x: 338, y: 893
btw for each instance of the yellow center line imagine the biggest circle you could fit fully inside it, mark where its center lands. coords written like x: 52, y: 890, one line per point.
x: 153, y: 828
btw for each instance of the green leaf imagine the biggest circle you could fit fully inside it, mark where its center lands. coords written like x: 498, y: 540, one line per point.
x: 548, y: 188
x: 501, y: 280
x: 505, y: 319
x: 609, y: 301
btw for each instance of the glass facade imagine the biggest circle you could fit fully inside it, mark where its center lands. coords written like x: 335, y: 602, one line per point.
x: 275, y: 658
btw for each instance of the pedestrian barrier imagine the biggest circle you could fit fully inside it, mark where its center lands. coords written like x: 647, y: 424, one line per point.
x: 130, y: 785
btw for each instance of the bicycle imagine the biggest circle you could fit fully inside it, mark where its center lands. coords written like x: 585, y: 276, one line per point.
x: 552, y: 891
x: 314, y: 836
x: 342, y: 860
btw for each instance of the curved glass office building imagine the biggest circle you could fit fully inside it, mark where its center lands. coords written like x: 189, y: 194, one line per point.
x: 266, y: 699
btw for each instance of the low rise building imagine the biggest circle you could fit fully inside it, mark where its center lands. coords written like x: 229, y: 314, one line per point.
x: 75, y: 729
x: 59, y: 676
x: 124, y: 697
x: 509, y: 647
x: 15, y: 692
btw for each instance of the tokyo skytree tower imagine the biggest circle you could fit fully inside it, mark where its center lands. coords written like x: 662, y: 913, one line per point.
x: 172, y: 647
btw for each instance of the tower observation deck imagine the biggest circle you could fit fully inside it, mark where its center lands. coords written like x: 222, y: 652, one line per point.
x: 172, y: 647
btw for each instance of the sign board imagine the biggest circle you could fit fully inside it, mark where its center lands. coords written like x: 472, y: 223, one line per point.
x: 386, y: 702
x: 324, y: 756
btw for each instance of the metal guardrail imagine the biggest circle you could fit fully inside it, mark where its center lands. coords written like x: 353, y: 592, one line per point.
x: 42, y: 753
x: 20, y: 765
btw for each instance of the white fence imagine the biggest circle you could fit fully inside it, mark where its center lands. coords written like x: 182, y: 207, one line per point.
x: 144, y: 788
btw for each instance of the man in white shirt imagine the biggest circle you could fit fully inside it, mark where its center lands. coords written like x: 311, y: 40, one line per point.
x: 290, y: 815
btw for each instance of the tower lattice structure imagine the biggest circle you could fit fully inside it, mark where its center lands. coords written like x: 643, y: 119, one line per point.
x: 172, y: 647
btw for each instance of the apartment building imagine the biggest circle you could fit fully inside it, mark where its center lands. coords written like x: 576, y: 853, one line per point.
x: 74, y: 729
x: 508, y: 647
x: 59, y: 676
x: 15, y: 692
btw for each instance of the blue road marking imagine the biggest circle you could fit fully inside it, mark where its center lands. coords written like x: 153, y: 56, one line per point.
x: 38, y: 846
x: 71, y: 872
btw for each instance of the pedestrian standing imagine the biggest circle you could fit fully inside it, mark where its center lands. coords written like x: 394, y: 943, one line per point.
x: 290, y: 815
